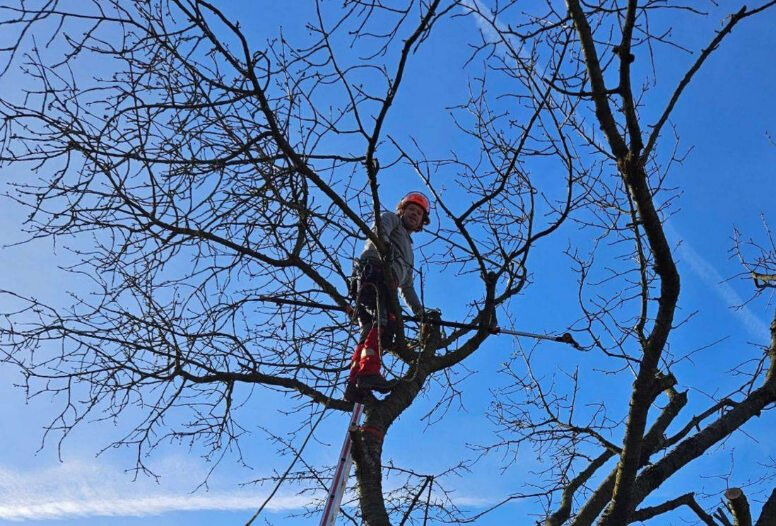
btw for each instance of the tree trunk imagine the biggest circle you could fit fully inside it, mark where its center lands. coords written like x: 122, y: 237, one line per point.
x: 367, y: 452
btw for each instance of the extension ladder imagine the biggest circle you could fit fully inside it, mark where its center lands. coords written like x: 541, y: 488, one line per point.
x: 341, y: 474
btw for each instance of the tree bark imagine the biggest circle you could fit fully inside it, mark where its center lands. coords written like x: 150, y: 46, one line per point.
x: 695, y: 446
x: 739, y: 507
x: 367, y: 451
x: 652, y: 443
x: 768, y: 513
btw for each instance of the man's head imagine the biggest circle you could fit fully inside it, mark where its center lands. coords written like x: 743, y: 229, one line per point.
x: 414, y: 210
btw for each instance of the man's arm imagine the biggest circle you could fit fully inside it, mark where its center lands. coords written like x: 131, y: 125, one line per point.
x: 389, y: 221
x: 410, y: 297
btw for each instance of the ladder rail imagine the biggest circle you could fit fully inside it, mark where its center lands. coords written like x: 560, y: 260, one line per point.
x: 341, y: 473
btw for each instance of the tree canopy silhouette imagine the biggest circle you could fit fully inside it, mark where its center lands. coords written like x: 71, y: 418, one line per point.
x: 222, y: 182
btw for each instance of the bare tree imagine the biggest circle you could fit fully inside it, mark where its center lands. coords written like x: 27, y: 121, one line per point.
x: 628, y: 298
x: 220, y: 185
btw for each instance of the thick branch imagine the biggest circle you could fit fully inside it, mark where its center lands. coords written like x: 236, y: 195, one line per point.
x: 602, y: 109
x: 653, y: 441
x: 563, y: 512
x: 739, y: 507
x: 768, y: 513
x: 687, y: 499
x: 626, y: 58
x: 693, y: 447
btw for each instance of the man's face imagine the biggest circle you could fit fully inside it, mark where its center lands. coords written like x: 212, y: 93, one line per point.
x: 412, y: 217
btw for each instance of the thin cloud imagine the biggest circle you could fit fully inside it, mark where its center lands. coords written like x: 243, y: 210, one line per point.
x: 89, y: 489
x: 79, y: 489
x: 495, y: 31
x: 141, y: 506
x: 475, y: 6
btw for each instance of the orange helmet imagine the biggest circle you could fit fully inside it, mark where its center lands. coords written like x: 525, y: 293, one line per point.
x: 419, y: 199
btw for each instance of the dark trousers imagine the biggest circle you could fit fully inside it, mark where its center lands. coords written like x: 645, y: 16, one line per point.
x: 374, y: 318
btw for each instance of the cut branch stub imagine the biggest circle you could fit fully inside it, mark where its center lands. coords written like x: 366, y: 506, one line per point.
x: 738, y: 506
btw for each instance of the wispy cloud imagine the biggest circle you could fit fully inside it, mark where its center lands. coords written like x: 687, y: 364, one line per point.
x: 141, y: 506
x: 79, y: 489
x: 485, y: 25
x: 493, y: 30
x: 756, y: 327
x: 505, y: 44
x: 90, y: 489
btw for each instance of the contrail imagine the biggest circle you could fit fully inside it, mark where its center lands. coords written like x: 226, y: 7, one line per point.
x: 711, y: 276
x: 493, y: 35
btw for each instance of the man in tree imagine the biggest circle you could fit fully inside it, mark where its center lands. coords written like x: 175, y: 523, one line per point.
x: 372, y: 287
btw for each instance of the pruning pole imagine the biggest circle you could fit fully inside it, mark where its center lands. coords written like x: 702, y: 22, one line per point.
x: 563, y: 338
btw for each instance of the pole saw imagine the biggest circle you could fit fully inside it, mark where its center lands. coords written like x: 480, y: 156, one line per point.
x: 563, y: 338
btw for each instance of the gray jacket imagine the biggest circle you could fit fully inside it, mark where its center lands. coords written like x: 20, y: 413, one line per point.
x: 403, y: 259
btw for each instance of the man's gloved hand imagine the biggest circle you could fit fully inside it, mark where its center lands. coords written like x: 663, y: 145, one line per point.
x: 432, y: 315
x: 430, y: 329
x: 390, y: 252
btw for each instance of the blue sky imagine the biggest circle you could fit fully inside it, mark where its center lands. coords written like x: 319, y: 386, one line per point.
x: 727, y: 180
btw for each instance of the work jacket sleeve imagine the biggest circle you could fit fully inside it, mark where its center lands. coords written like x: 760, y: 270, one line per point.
x: 410, y: 297
x: 389, y: 221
